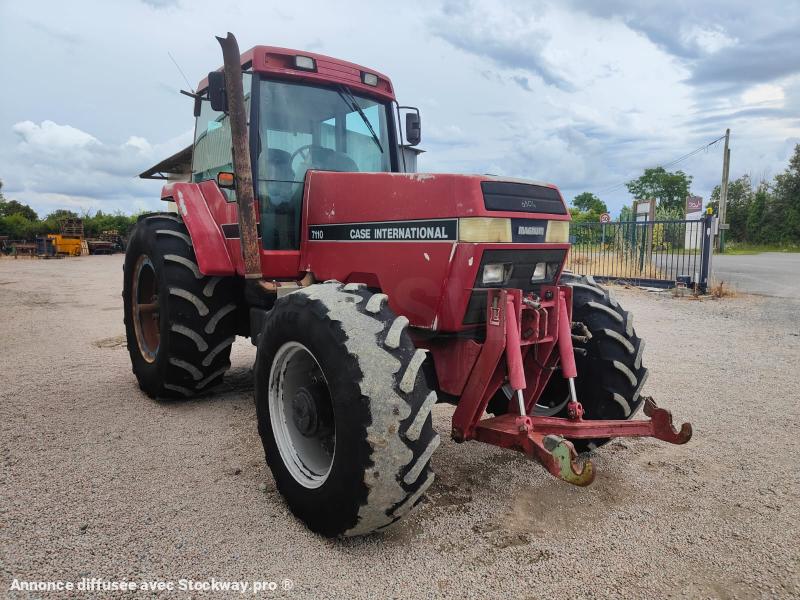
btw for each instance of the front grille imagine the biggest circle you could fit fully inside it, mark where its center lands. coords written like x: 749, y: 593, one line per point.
x: 521, y: 197
x: 524, y: 262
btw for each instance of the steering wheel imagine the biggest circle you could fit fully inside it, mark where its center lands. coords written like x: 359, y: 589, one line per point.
x: 303, y: 151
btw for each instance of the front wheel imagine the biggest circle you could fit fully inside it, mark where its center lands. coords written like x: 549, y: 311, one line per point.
x: 344, y: 409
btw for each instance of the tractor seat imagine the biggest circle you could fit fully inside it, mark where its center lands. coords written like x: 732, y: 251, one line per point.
x: 279, y: 176
x: 326, y: 159
x: 279, y: 165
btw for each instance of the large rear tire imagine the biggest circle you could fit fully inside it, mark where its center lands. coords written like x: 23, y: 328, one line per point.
x: 180, y: 324
x: 344, y: 409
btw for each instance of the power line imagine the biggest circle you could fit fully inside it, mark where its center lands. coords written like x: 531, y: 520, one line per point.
x: 672, y: 163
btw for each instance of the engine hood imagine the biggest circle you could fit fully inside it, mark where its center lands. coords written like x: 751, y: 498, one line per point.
x: 369, y: 197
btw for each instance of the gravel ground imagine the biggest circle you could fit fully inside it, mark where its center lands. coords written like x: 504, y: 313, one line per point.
x: 100, y: 481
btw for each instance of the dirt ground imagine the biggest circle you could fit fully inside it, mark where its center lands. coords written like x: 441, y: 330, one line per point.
x: 100, y: 481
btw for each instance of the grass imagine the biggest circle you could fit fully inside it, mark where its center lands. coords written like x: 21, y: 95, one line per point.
x: 611, y: 265
x: 734, y: 248
x: 719, y: 290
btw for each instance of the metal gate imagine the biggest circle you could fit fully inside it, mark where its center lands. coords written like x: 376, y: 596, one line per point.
x: 651, y: 253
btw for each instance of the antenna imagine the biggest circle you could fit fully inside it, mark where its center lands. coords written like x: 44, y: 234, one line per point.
x: 177, y: 66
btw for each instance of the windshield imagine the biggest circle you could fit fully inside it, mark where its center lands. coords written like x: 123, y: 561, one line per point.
x: 303, y: 127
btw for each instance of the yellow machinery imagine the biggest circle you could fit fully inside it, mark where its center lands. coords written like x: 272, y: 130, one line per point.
x: 70, y: 241
x: 66, y: 244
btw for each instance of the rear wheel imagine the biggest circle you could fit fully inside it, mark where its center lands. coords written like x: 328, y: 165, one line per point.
x: 344, y: 409
x: 180, y: 324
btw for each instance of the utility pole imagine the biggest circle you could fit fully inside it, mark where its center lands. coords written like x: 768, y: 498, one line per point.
x: 723, y: 192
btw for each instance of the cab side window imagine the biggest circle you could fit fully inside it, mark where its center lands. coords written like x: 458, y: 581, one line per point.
x: 212, y: 142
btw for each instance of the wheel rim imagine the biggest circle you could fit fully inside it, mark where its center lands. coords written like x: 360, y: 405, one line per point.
x: 301, y: 413
x: 543, y: 410
x: 144, y: 300
x: 540, y: 410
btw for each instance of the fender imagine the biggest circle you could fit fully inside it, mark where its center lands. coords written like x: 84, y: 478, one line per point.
x: 210, y: 249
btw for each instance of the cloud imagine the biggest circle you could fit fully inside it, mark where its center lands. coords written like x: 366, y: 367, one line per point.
x: 51, y: 137
x: 161, y: 3
x: 507, y: 38
x: 721, y: 41
x: 61, y: 163
x: 68, y: 38
x: 583, y: 94
x: 761, y: 60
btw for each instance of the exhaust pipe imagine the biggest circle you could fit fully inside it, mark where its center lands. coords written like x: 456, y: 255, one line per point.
x: 245, y: 195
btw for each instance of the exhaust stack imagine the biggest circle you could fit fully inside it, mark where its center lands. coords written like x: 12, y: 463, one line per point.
x: 245, y: 196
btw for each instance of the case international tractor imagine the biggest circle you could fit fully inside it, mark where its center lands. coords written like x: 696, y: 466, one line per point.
x: 371, y: 294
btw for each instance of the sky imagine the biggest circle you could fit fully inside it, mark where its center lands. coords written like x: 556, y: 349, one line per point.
x: 578, y: 93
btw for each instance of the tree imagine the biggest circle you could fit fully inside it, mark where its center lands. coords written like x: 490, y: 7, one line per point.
x: 740, y: 198
x: 17, y: 227
x: 588, y: 202
x: 626, y: 214
x: 784, y: 214
x: 61, y: 214
x: 668, y: 188
x: 12, y: 207
x: 754, y: 225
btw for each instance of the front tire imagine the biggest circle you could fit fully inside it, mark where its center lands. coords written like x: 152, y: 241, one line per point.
x: 180, y: 324
x: 364, y: 462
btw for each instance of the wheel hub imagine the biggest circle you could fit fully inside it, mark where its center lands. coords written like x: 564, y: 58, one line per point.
x: 311, y: 410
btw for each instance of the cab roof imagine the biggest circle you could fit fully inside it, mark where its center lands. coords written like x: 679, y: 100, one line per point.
x: 280, y: 62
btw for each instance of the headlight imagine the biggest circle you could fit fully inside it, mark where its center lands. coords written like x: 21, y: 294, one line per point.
x: 484, y: 229
x: 539, y: 272
x: 305, y: 63
x: 557, y: 232
x: 496, y: 273
x: 369, y: 78
x: 545, y: 271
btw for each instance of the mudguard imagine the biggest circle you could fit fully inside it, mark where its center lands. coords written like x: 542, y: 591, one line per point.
x: 209, y: 244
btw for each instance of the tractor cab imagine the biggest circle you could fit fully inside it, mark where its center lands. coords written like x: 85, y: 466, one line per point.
x: 305, y: 112
x: 296, y: 126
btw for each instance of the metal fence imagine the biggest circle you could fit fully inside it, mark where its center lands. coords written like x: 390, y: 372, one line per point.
x: 654, y: 253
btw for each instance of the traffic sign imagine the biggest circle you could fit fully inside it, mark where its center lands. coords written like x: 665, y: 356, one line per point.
x: 694, y: 204
x: 605, y: 218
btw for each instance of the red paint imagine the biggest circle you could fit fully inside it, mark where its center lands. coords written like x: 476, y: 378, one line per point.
x: 358, y: 197
x: 279, y: 63
x: 538, y: 437
x: 516, y: 433
x: 207, y: 239
x: 453, y: 359
x: 565, y: 350
x: 429, y: 282
x: 516, y: 373
x: 485, y: 377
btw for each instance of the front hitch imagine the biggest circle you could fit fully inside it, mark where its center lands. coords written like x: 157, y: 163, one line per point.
x: 544, y: 439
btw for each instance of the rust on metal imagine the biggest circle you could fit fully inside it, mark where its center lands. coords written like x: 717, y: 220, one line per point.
x: 245, y: 197
x: 553, y: 452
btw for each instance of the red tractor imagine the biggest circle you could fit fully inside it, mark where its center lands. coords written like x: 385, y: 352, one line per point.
x: 372, y: 294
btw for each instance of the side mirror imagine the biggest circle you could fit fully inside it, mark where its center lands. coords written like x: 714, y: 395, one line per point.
x: 413, y: 128
x: 216, y: 91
